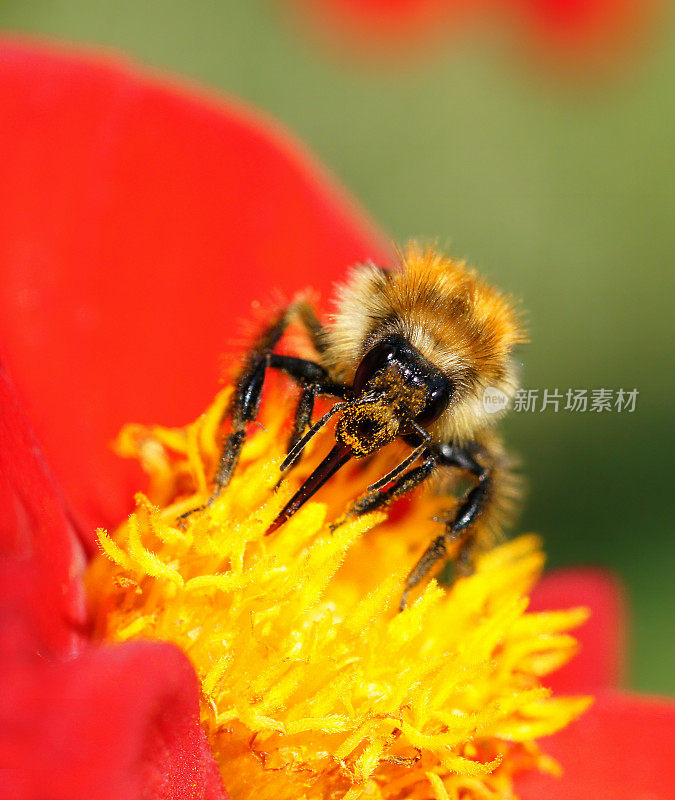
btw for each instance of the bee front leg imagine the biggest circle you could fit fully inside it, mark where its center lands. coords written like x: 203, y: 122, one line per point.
x: 303, y: 418
x: 314, y: 380
x: 303, y: 414
x: 248, y: 393
x: 246, y: 401
x: 401, y: 485
x: 244, y: 409
x: 311, y: 376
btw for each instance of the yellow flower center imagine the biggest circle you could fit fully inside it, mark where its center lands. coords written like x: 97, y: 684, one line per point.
x: 313, y: 685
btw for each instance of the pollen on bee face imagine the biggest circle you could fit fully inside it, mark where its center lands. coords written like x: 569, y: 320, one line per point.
x: 367, y: 428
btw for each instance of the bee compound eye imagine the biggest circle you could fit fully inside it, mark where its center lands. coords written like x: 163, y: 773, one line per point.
x: 439, y: 393
x: 375, y: 360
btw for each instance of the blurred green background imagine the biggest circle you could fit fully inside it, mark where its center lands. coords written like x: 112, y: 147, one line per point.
x: 562, y: 192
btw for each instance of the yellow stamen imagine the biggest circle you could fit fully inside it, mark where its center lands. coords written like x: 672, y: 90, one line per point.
x: 313, y: 685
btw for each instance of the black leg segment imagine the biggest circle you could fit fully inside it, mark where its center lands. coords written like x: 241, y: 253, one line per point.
x: 459, y: 526
x: 433, y: 455
x: 401, y: 485
x: 312, y: 377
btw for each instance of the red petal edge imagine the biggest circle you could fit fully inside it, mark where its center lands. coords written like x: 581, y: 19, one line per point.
x: 110, y: 723
x: 117, y: 723
x: 622, y: 748
x: 600, y: 660
x: 138, y: 225
x: 41, y: 597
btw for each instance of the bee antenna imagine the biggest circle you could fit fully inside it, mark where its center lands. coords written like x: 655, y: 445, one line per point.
x: 407, y: 461
x: 426, y: 436
x: 294, y: 453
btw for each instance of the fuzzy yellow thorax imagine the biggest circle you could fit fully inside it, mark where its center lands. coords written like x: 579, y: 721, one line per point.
x: 313, y: 686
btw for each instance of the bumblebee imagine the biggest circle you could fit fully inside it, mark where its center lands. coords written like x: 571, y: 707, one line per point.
x: 409, y: 355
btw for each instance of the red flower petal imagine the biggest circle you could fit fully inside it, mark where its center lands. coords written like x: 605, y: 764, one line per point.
x: 622, y: 748
x: 112, y: 723
x: 41, y: 559
x: 138, y: 224
x: 115, y: 724
x: 599, y: 663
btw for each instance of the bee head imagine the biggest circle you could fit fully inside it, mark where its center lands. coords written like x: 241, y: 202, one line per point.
x: 394, y: 384
x: 433, y: 322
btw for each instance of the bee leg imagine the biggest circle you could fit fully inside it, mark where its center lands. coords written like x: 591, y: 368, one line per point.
x: 312, y: 377
x: 248, y: 391
x: 303, y: 414
x: 378, y: 498
x: 459, y: 526
x: 314, y: 380
x: 246, y: 401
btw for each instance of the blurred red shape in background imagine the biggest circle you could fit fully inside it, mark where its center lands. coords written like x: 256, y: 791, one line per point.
x: 569, y: 33
x: 123, y: 198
